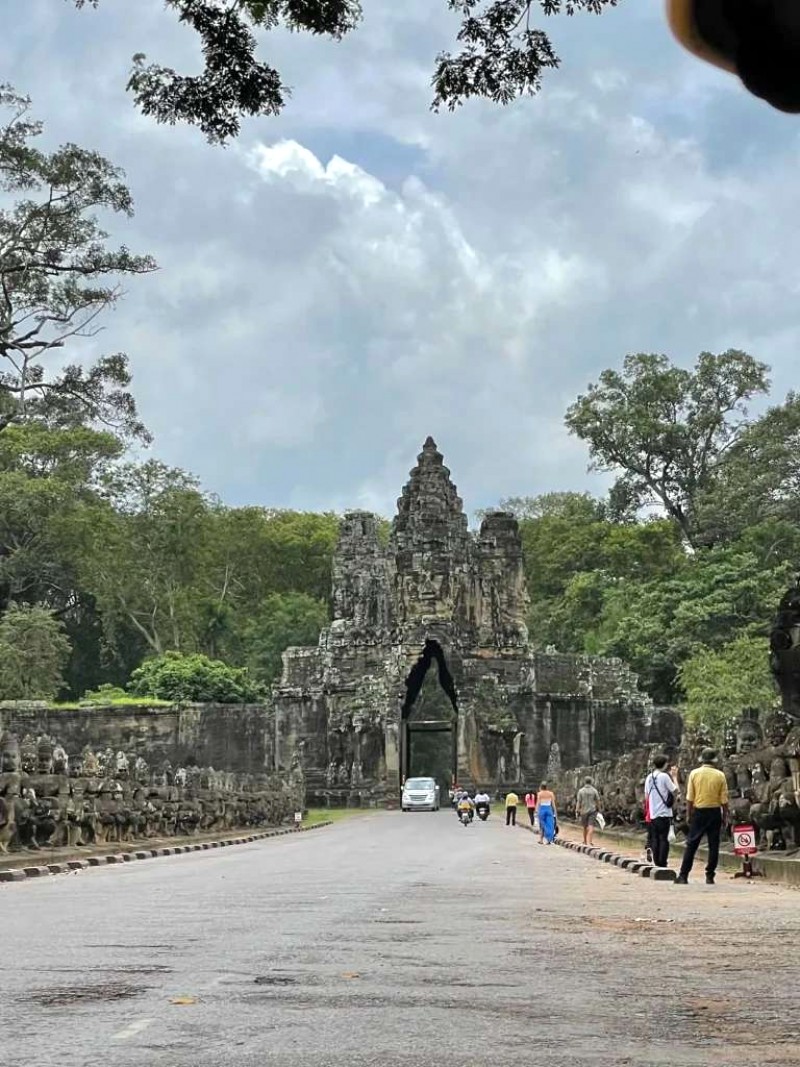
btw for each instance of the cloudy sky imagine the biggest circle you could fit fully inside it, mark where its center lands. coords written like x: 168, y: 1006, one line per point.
x: 360, y: 272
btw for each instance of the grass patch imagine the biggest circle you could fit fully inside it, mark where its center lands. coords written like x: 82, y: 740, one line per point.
x: 318, y: 815
x: 114, y: 702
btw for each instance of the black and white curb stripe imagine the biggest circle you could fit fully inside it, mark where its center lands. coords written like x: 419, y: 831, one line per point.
x: 20, y: 874
x: 644, y: 870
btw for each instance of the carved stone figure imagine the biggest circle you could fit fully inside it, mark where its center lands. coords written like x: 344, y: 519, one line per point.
x: 29, y: 754
x: 91, y: 764
x: 60, y: 760
x: 10, y: 761
x: 749, y: 734
x: 44, y: 756
x: 784, y: 644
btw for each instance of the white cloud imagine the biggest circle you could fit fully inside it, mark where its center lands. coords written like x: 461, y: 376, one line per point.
x: 359, y: 272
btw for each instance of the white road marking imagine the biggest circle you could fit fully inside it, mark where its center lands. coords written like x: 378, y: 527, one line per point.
x: 131, y: 1030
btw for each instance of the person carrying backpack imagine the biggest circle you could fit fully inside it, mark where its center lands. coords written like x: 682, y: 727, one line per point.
x: 660, y: 791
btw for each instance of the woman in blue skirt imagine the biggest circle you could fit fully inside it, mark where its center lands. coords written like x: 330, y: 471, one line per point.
x: 546, y: 810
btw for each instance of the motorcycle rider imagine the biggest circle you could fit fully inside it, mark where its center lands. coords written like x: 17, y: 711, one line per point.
x: 482, y: 805
x: 465, y: 804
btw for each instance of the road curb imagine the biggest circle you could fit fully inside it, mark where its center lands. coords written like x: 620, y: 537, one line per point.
x: 615, y: 859
x: 22, y: 874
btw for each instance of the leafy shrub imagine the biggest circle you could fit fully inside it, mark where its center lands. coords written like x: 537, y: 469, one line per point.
x: 194, y: 678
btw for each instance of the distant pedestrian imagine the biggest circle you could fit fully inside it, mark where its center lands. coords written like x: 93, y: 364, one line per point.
x: 530, y: 804
x: 587, y: 806
x: 547, y: 814
x: 512, y: 800
x: 659, y: 791
x: 707, y: 810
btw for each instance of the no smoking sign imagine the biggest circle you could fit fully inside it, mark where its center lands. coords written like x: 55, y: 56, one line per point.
x: 744, y: 840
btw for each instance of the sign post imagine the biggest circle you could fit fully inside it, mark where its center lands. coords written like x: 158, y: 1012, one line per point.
x: 744, y: 845
x: 298, y: 818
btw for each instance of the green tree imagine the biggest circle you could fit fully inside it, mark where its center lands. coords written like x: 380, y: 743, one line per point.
x: 146, y: 544
x: 760, y: 478
x: 582, y: 507
x: 33, y: 652
x: 573, y: 554
x: 656, y: 625
x: 283, y: 620
x: 502, y: 55
x: 668, y: 429
x: 57, y: 275
x: 194, y: 678
x: 48, y: 480
x: 719, y: 684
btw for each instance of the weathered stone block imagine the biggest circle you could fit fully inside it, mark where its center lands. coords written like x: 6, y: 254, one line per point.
x: 663, y: 874
x: 15, y: 875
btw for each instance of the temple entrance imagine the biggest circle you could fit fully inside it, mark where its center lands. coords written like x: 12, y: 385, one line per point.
x: 429, y: 721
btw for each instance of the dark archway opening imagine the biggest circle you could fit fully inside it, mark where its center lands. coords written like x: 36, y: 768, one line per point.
x: 429, y: 720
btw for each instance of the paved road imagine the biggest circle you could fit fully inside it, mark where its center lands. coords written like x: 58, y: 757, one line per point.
x: 393, y: 940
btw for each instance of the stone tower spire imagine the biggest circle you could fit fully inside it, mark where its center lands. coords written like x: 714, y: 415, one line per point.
x: 430, y: 511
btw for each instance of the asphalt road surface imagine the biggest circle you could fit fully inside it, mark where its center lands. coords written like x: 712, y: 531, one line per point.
x: 391, y: 940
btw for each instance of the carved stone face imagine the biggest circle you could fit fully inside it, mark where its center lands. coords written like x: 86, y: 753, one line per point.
x: 44, y: 756
x: 10, y: 761
x: 749, y: 734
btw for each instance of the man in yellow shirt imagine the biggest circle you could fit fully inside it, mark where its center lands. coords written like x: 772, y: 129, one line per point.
x: 707, y: 811
x: 511, y: 809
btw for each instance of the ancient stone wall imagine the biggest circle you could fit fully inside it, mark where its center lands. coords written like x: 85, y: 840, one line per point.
x: 93, y: 775
x: 237, y: 738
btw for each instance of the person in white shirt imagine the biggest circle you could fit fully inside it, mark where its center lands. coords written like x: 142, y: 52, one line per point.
x: 482, y: 805
x: 660, y: 789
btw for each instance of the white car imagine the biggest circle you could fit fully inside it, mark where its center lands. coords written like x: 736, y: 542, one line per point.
x: 420, y: 794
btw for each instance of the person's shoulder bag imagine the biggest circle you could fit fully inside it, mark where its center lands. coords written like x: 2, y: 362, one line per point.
x: 669, y: 799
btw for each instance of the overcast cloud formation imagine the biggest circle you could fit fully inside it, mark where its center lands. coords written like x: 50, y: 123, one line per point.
x: 359, y: 272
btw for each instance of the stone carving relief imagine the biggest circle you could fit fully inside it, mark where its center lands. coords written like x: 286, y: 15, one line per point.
x: 61, y: 801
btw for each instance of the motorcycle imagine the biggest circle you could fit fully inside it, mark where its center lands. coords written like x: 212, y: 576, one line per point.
x: 465, y: 817
x: 483, y: 812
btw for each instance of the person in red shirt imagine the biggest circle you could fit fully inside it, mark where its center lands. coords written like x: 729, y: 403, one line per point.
x: 530, y: 804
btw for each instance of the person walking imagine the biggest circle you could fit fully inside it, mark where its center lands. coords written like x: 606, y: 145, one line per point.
x: 512, y: 800
x: 547, y: 814
x: 707, y: 811
x: 530, y: 804
x: 659, y: 790
x: 587, y: 805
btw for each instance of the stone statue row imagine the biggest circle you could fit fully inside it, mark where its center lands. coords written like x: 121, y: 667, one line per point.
x: 761, y: 764
x: 48, y: 799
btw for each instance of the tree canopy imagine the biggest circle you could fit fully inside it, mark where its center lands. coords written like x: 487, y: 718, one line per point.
x: 33, y: 653
x: 57, y: 275
x: 668, y: 430
x: 502, y: 52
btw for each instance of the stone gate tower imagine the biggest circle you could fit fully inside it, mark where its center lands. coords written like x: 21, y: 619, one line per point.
x: 427, y: 669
